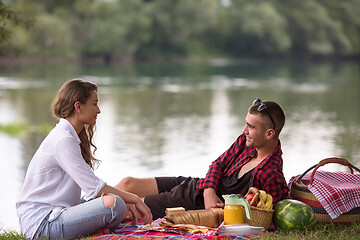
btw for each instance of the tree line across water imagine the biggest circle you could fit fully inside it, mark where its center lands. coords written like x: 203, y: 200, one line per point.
x: 147, y: 29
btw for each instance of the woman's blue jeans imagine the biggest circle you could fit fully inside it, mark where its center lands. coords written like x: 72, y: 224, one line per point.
x: 83, y: 220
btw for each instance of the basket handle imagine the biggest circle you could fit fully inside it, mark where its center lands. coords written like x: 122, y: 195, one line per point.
x: 341, y: 161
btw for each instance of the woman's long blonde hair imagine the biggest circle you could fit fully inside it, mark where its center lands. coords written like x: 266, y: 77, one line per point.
x: 64, y: 106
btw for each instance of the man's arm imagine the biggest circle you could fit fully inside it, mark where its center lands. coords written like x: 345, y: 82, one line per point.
x: 217, y: 169
x: 273, y: 183
x: 221, y: 164
x: 277, y: 187
x: 211, y: 200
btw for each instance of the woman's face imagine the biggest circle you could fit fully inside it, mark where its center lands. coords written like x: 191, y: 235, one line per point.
x: 88, y: 112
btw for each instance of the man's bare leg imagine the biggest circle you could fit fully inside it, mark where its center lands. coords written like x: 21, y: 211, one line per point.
x: 140, y: 186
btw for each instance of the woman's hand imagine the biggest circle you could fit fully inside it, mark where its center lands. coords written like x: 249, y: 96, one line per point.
x: 134, y: 205
x: 211, y: 200
x: 128, y: 214
x: 131, y: 214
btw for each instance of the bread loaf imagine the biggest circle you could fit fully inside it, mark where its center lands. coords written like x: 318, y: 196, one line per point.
x: 219, y: 215
x: 210, y: 218
x: 174, y: 210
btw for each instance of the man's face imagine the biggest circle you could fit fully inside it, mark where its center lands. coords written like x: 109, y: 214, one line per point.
x: 254, y: 131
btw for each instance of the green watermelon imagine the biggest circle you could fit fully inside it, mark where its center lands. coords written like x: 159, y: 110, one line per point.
x: 292, y: 214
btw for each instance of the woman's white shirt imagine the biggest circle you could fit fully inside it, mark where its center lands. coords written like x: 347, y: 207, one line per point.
x: 55, y: 177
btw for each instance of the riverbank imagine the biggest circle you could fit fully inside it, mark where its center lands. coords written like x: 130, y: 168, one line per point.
x: 15, y: 61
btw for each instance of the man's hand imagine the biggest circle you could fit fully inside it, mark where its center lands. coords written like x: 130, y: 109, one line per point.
x: 142, y: 212
x: 211, y: 200
x: 136, y: 212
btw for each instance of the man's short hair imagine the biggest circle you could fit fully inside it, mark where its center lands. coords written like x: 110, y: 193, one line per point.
x: 276, y: 112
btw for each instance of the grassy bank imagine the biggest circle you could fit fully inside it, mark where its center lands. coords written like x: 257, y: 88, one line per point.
x: 19, y: 127
x: 11, y: 235
x: 318, y: 232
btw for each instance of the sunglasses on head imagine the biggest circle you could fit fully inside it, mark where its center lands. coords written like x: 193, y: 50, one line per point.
x: 261, y: 107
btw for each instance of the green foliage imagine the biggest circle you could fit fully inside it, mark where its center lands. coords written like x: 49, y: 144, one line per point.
x: 9, y: 19
x: 313, y: 31
x: 348, y: 14
x: 114, y: 29
x: 173, y: 24
x: 51, y: 36
x: 138, y: 29
x: 257, y: 27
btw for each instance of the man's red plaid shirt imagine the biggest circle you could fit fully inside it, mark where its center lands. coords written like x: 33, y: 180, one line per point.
x: 268, y: 175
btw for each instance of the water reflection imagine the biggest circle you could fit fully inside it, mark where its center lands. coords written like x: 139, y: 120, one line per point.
x: 175, y: 118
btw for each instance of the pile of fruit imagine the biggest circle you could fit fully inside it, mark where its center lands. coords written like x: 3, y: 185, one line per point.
x: 259, y: 198
x: 288, y: 215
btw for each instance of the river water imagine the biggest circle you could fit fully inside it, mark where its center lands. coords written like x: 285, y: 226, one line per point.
x: 175, y: 118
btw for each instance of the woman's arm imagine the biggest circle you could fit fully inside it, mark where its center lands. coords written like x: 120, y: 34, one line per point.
x: 69, y: 158
x: 129, y: 198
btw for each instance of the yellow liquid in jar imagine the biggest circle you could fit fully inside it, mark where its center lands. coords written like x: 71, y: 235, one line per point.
x: 233, y: 214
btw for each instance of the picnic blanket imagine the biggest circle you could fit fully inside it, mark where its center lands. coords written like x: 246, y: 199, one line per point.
x: 337, y: 192
x: 127, y: 231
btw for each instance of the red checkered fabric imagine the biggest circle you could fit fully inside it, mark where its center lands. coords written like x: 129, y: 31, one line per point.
x: 337, y: 192
x: 127, y: 231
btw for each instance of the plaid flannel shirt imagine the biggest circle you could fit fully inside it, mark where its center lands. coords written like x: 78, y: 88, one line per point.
x: 268, y: 175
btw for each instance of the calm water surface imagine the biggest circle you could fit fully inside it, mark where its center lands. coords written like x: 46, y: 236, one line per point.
x: 175, y: 118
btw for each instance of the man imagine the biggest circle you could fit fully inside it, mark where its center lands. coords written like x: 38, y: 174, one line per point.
x: 253, y: 160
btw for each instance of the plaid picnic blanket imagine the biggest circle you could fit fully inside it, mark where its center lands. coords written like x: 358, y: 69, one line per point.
x: 127, y: 231
x: 337, y: 192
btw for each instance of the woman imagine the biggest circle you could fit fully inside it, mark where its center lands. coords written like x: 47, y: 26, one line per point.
x: 50, y: 204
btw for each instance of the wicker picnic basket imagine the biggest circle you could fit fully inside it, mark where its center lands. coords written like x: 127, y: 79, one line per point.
x: 301, y: 192
x: 260, y: 217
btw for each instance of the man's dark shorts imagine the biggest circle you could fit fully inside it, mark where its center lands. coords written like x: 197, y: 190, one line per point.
x: 174, y: 192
